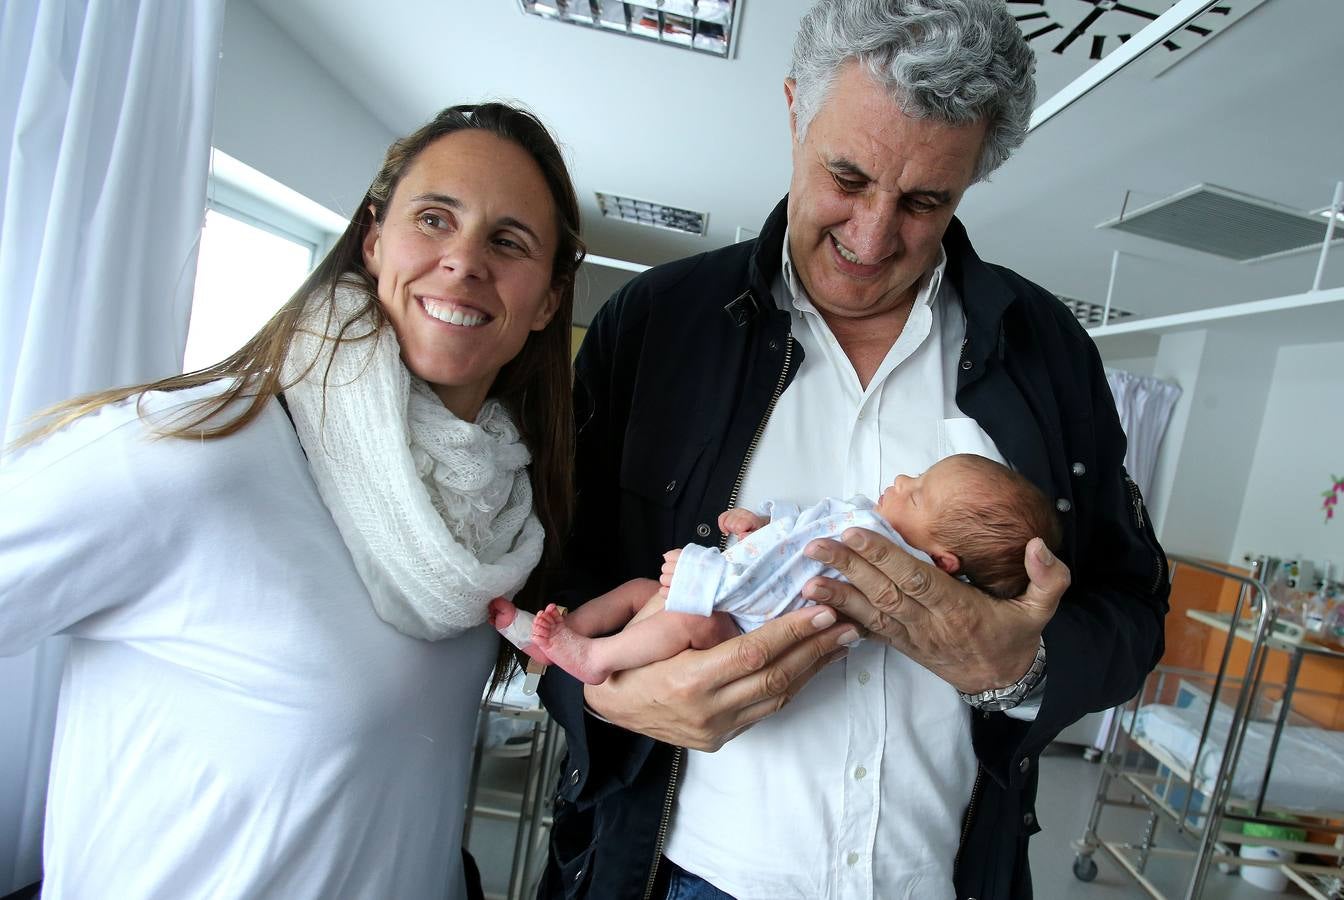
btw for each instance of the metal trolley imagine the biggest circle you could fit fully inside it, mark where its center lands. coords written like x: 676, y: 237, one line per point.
x: 1200, y: 815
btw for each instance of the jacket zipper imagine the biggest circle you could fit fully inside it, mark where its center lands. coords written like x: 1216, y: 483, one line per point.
x: 970, y: 813
x: 1136, y: 500
x: 760, y: 429
x: 732, y: 501
x: 662, y: 824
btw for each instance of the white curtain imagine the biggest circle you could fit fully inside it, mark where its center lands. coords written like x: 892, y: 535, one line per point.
x: 106, y: 109
x: 1145, y: 405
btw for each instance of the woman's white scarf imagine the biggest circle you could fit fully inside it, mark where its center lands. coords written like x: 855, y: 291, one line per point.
x: 436, y: 512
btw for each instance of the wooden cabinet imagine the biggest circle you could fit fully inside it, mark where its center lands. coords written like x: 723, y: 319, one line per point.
x: 1190, y: 644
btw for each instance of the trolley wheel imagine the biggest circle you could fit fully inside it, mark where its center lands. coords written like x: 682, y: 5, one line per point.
x: 1091, y: 754
x: 1084, y: 868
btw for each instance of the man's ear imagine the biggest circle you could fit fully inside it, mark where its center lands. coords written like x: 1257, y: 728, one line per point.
x: 948, y: 562
x: 790, y: 91
x: 372, y: 245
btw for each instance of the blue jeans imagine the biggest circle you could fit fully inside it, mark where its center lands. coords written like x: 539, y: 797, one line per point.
x: 684, y: 886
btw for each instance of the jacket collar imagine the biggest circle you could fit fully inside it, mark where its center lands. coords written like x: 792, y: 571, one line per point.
x: 769, y: 249
x: 985, y: 296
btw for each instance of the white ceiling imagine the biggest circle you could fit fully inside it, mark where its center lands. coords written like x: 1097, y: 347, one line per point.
x: 1255, y: 109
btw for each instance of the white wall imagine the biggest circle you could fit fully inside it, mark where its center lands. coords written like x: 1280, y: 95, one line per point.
x: 1300, y: 446
x: 1177, y: 361
x: 281, y: 112
x: 1225, y: 376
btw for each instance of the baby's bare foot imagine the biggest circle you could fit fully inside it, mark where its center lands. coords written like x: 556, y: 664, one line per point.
x: 565, y: 647
x: 545, y: 625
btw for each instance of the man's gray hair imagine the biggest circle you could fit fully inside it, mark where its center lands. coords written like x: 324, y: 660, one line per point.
x: 953, y: 61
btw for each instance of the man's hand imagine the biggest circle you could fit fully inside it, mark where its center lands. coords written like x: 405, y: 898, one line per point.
x: 702, y: 698
x: 967, y: 638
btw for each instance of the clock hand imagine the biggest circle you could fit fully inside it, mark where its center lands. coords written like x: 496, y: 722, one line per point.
x: 1079, y: 29
x: 1120, y: 7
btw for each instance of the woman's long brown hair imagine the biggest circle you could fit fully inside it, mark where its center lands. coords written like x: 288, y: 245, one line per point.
x: 535, y: 386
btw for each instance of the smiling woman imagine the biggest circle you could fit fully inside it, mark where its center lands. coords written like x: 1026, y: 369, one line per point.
x: 462, y: 253
x: 288, y: 673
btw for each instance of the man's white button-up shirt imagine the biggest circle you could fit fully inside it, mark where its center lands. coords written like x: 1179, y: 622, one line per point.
x: 856, y: 789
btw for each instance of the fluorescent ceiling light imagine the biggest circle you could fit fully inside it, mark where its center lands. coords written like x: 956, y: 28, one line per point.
x: 1090, y: 314
x: 656, y: 215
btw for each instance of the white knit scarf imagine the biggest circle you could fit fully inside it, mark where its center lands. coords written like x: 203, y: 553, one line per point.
x: 436, y: 512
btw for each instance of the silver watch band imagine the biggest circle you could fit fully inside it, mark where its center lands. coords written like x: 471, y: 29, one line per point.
x: 1004, y: 698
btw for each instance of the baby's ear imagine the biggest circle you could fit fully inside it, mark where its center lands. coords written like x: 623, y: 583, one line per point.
x: 946, y: 561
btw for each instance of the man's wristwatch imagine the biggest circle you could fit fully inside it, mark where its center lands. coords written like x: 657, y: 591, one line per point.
x: 1000, y: 699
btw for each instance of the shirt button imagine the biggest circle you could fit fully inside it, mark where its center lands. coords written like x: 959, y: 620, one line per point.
x: 864, y: 676
x: 1063, y: 505
x: 860, y: 772
x: 702, y: 529
x: 1079, y: 469
x: 1024, y: 765
x: 852, y: 858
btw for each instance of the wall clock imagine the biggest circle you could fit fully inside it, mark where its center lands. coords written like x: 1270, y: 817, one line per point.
x: 1093, y: 28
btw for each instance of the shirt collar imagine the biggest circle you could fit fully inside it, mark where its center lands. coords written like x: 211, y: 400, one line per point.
x: 798, y: 299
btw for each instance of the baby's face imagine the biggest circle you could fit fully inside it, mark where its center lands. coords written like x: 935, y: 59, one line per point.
x: 913, y: 505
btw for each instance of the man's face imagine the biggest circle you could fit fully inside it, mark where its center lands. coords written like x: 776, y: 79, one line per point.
x: 872, y: 193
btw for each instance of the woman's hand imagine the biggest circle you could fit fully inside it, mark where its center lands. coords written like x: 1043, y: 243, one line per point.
x: 702, y: 698
x: 967, y: 638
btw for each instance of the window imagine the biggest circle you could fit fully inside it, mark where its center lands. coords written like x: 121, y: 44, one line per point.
x: 259, y: 242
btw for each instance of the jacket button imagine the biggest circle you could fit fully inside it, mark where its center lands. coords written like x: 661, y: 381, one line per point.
x: 774, y: 345
x: 1063, y: 505
x: 702, y: 529
x: 1029, y: 820
x: 1024, y: 765
x: 1079, y: 469
x: 574, y: 777
x: 671, y: 486
x: 578, y: 875
x: 966, y: 365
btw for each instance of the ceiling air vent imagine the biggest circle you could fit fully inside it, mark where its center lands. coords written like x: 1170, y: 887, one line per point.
x: 644, y: 212
x: 1089, y: 313
x: 1226, y: 223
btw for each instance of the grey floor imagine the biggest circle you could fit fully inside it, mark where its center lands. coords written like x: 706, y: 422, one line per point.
x: 1067, y: 789
x: 1068, y: 785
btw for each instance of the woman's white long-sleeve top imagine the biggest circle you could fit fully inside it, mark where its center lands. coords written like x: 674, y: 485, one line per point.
x: 234, y: 719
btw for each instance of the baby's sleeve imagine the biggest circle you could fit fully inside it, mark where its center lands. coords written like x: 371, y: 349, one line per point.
x: 696, y: 582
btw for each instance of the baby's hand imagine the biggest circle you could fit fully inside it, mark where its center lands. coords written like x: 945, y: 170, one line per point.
x: 669, y: 567
x: 741, y: 522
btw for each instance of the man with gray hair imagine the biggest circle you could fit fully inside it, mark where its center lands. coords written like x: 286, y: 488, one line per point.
x: 859, y: 336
